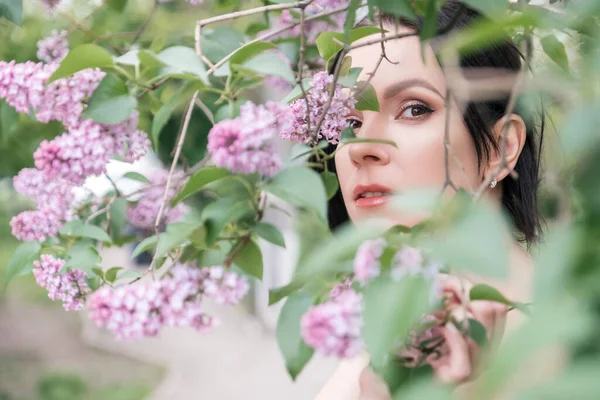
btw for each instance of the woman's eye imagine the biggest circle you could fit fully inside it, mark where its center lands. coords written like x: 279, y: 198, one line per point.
x: 354, y: 124
x: 415, y: 111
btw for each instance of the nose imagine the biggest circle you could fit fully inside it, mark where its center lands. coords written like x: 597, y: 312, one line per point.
x: 369, y: 153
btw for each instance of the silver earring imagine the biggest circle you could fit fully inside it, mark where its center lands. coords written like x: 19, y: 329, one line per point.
x: 493, y: 183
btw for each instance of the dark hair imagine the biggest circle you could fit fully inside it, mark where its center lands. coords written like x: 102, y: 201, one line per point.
x: 519, y: 196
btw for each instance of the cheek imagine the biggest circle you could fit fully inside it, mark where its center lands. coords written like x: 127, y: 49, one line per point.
x: 343, y: 166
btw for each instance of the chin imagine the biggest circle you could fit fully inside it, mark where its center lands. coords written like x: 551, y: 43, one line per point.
x: 390, y: 217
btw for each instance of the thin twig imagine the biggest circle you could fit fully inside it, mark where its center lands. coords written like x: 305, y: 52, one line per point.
x: 165, y: 198
x: 268, y: 35
x: 206, y: 110
x: 301, y: 65
x: 257, y: 10
x: 145, y: 24
x: 243, y: 242
x: 448, y: 179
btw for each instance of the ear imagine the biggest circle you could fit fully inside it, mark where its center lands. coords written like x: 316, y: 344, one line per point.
x: 516, y: 134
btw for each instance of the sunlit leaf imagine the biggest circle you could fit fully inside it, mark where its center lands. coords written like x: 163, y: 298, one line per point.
x: 111, y: 102
x: 294, y: 350
x: 22, y: 260
x: 82, y: 57
x: 197, y: 181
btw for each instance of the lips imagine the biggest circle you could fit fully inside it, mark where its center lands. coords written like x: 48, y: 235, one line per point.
x: 371, y: 195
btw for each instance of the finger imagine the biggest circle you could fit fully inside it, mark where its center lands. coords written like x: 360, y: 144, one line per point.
x: 372, y: 387
x: 455, y: 367
x: 492, y: 315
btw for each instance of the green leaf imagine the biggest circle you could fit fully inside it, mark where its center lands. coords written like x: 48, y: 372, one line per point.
x: 164, y: 114
x: 249, y: 51
x: 296, y: 92
x: 487, y: 292
x: 485, y: 33
x: 250, y: 260
x: 117, y: 5
x: 330, y: 180
x: 111, y: 274
x: 430, y: 21
x: 128, y: 274
x: 267, y: 64
x: 477, y: 333
x: 84, y: 257
x: 398, y: 8
x: 549, y: 328
x: 364, y: 140
x: 136, y: 176
x: 391, y: 309
x: 143, y: 246
x: 366, y: 97
x: 556, y: 256
x: 117, y: 214
x: 22, y: 260
x: 350, y: 79
x: 175, y: 235
x: 350, y: 19
x: 198, y: 181
x: 157, y: 45
x: 269, y: 232
x: 328, y: 48
x: 220, y: 213
x: 348, y: 135
x: 478, y: 242
x: 295, y: 352
x: 12, y: 10
x: 346, y: 66
x: 129, y: 58
x: 579, y: 131
x: 302, y: 187
x: 416, y: 200
x: 111, y: 102
x: 77, y: 228
x: 491, y: 8
x: 220, y: 42
x: 555, y: 49
x: 9, y: 120
x: 182, y: 59
x: 82, y: 57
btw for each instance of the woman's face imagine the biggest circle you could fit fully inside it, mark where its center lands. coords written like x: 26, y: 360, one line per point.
x: 412, y: 114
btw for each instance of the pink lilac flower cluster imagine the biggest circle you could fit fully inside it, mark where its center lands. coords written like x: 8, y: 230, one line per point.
x: 55, y: 202
x: 87, y: 146
x: 312, y: 29
x: 335, y: 118
x: 143, y: 214
x: 53, y: 48
x: 69, y: 287
x: 70, y: 158
x: 51, y: 4
x: 409, y: 261
x: 86, y: 149
x: 340, y: 288
x: 333, y: 328
x: 366, y: 261
x: 278, y: 83
x: 244, y: 145
x: 142, y: 310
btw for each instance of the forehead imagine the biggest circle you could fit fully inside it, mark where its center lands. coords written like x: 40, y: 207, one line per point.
x: 406, y: 57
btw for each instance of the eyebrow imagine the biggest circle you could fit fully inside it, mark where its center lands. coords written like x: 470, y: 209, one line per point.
x: 398, y: 87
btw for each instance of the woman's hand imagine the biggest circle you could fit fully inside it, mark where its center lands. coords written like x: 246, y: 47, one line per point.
x: 457, y: 360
